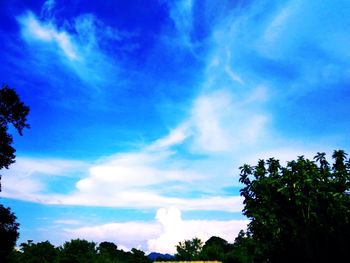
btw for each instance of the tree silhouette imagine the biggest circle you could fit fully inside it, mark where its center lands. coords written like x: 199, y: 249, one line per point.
x: 14, y: 112
x: 8, y: 233
x: 43, y: 252
x: 214, y: 248
x: 78, y: 251
x: 189, y: 249
x: 301, y: 212
x: 107, y: 252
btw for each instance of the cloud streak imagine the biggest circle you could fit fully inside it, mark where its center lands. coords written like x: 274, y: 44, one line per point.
x: 79, y: 49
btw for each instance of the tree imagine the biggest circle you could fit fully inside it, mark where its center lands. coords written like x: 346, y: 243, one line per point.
x: 8, y: 233
x: 138, y: 256
x: 14, y: 112
x: 107, y: 252
x: 189, y: 249
x: 43, y: 252
x: 301, y: 212
x: 214, y: 249
x: 242, y: 251
x: 78, y: 251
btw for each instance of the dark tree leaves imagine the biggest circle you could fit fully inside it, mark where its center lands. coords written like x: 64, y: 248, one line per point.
x: 189, y: 249
x: 8, y: 232
x: 301, y: 212
x: 12, y: 112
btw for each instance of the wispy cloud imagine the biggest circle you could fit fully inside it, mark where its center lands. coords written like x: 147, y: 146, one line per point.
x: 47, y: 8
x: 230, y: 117
x: 182, y: 14
x: 67, y: 222
x: 216, y: 125
x: 257, y: 94
x: 80, y: 50
x: 34, y: 29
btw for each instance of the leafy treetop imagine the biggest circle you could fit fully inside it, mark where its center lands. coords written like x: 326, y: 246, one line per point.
x: 12, y: 111
x: 301, y: 212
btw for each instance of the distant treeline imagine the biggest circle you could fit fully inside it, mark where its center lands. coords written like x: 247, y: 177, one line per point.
x: 83, y: 251
x: 75, y: 251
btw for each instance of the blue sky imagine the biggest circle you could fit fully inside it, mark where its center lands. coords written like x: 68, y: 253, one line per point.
x: 142, y: 111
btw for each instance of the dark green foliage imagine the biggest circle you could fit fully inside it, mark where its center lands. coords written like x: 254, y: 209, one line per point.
x: 189, y: 249
x: 242, y: 251
x: 75, y: 251
x: 214, y: 248
x: 14, y: 112
x: 8, y: 233
x: 138, y: 256
x: 43, y: 252
x: 301, y: 212
x: 218, y: 249
x: 78, y: 251
x: 107, y: 252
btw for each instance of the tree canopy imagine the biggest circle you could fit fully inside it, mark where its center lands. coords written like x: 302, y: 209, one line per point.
x: 300, y: 212
x: 8, y: 232
x: 43, y: 252
x: 12, y: 111
x: 75, y: 251
x: 189, y: 249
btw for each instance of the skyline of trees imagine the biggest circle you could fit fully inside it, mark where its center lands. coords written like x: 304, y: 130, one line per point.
x: 13, y: 113
x: 76, y: 251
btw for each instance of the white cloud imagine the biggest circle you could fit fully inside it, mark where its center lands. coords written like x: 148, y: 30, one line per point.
x: 223, y: 125
x: 226, y: 125
x: 27, y: 177
x: 142, y: 199
x: 127, y: 234
x: 47, y: 166
x: 175, y: 229
x: 32, y: 28
x: 147, y: 178
x: 79, y: 51
x: 129, y: 180
x: 175, y: 137
x: 67, y: 222
x: 161, y: 235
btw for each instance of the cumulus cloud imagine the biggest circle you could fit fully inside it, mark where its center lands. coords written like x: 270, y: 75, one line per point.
x: 126, y: 234
x: 175, y: 229
x: 161, y: 235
